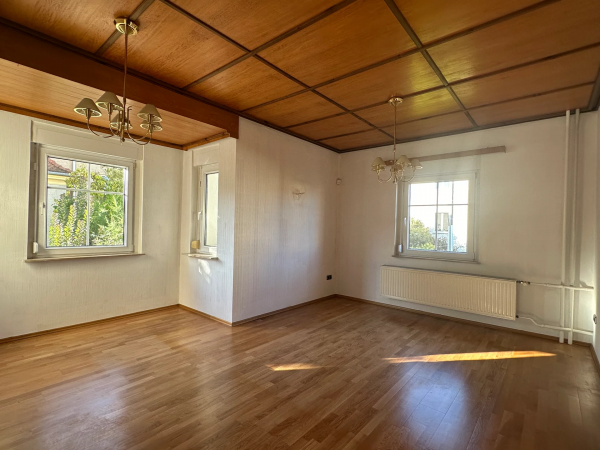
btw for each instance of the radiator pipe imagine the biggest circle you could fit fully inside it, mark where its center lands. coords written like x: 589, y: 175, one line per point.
x: 563, y: 271
x: 563, y: 329
x: 572, y: 245
x: 557, y: 286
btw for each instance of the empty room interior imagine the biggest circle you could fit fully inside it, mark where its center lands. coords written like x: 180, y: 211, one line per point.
x: 299, y: 225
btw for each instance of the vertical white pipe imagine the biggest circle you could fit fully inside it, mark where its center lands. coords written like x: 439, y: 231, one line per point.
x: 572, y: 247
x: 561, y: 337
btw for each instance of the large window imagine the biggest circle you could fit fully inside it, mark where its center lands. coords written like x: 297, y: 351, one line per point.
x: 84, y: 203
x: 208, y: 208
x: 438, y: 217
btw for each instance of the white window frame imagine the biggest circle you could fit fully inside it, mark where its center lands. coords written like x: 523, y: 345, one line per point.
x: 402, y: 221
x: 203, y: 171
x: 40, y: 250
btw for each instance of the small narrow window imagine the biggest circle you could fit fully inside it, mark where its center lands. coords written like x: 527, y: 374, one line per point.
x: 208, y: 207
x: 85, y: 204
x: 438, y: 217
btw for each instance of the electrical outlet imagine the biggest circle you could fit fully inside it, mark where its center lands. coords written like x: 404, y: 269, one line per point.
x: 329, y: 277
x: 595, y: 319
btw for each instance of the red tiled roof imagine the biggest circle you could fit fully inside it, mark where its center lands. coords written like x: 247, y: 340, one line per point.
x: 54, y: 167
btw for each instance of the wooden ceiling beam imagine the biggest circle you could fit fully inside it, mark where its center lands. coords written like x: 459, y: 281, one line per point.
x: 74, y: 123
x: 594, y: 103
x: 42, y: 54
x: 216, y: 137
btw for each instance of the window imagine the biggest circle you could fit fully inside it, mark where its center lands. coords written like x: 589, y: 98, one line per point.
x: 208, y: 208
x: 84, y: 203
x: 438, y: 217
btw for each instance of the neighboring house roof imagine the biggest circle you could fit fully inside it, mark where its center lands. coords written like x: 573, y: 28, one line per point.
x: 54, y: 167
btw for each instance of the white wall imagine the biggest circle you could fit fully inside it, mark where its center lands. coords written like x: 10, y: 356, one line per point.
x: 42, y: 296
x: 207, y: 285
x: 597, y: 326
x: 520, y: 216
x: 284, y: 248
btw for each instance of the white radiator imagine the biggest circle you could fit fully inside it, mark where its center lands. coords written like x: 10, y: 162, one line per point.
x: 492, y: 297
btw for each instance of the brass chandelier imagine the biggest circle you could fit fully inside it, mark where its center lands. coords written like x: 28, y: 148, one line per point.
x: 400, y: 169
x: 118, y: 113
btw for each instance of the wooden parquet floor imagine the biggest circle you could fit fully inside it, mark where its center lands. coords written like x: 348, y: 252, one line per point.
x: 336, y: 374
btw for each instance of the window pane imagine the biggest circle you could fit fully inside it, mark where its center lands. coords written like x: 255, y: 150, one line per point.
x: 444, y: 216
x: 66, y: 215
x: 423, y: 194
x: 107, y: 178
x: 107, y: 219
x: 65, y: 173
x: 460, y: 219
x: 461, y: 192
x: 422, y: 228
x: 445, y: 193
x: 211, y: 209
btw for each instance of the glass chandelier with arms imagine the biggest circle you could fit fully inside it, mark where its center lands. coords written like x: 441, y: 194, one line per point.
x: 400, y: 165
x: 118, y: 113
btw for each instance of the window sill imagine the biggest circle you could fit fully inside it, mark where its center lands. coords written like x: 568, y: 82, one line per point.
x: 65, y: 258
x: 202, y: 255
x: 428, y: 258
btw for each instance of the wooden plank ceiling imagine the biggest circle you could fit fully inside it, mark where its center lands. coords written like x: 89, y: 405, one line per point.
x: 323, y: 70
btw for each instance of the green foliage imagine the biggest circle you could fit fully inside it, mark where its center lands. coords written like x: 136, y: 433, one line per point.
x: 420, y: 236
x: 68, y: 221
x: 422, y: 239
x: 71, y: 232
x: 107, y: 210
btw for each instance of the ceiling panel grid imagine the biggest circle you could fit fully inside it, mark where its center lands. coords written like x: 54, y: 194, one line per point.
x: 323, y: 70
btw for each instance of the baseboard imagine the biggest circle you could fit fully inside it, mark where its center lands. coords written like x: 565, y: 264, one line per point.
x: 595, y: 358
x: 251, y: 319
x: 206, y: 316
x: 278, y: 311
x: 84, y: 324
x: 456, y: 319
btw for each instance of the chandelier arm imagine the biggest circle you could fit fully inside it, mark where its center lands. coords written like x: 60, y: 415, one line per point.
x: 110, y: 113
x: 385, y: 181
x: 125, y: 126
x: 112, y: 132
x: 141, y: 142
x: 411, y: 178
x: 99, y: 135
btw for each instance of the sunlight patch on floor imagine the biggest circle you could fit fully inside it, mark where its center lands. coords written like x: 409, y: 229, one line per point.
x: 482, y: 356
x: 297, y: 366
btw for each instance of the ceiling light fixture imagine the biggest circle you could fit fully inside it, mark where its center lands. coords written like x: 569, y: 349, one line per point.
x: 119, y: 123
x: 400, y: 165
